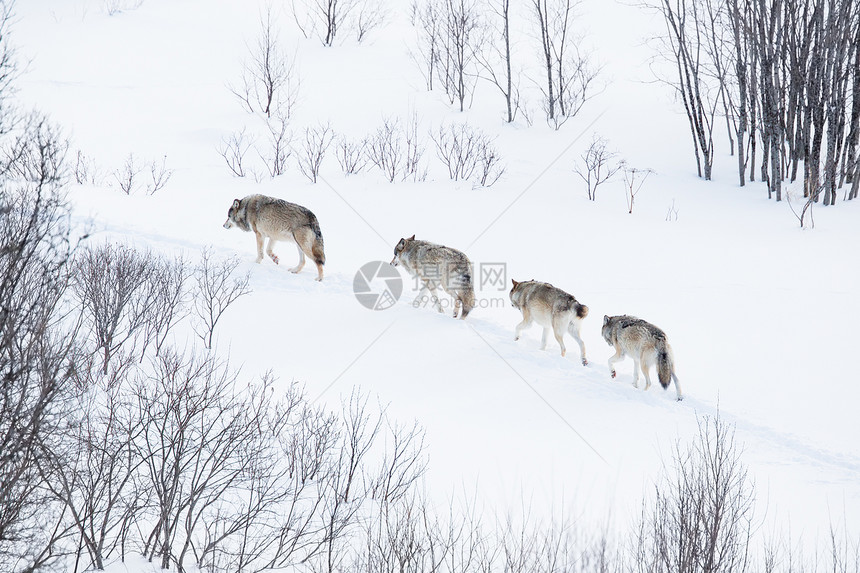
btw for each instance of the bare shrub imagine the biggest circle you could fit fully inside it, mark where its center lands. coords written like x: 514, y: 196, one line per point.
x: 351, y: 155
x: 126, y: 177
x: 634, y: 178
x: 385, y: 148
x: 111, y: 284
x: 37, y: 152
x: 85, y: 170
x: 280, y: 145
x: 168, y: 300
x: 701, y: 515
x: 159, y: 176
x: 597, y: 166
x: 217, y: 288
x: 270, y: 84
x: 415, y: 148
x: 468, y: 153
x: 233, y: 149
x: 91, y: 469
x: 313, y: 149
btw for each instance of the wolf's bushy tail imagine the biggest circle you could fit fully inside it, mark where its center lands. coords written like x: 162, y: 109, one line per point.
x: 466, y: 294
x: 664, y: 363
x: 580, y: 309
x: 318, y: 248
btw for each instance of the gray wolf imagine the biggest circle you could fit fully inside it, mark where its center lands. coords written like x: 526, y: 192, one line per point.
x: 277, y: 220
x: 645, y: 344
x: 438, y: 266
x: 550, y: 307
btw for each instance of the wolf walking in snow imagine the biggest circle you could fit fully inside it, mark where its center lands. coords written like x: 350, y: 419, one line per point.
x: 279, y: 220
x: 550, y: 307
x: 645, y: 344
x: 438, y: 266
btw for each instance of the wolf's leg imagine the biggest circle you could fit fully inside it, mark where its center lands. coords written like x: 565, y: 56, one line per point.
x: 573, y: 329
x: 434, y: 294
x: 457, y: 305
x: 646, y: 366
x: 269, y: 251
x: 636, y: 368
x: 677, y: 387
x: 544, y: 337
x: 522, y: 326
x: 558, y: 325
x: 301, y: 263
x: 260, y: 239
x: 422, y: 293
x: 526, y: 322
x: 615, y: 358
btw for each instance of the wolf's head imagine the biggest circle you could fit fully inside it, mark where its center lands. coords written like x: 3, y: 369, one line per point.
x: 398, y: 250
x: 606, y: 331
x: 233, y: 215
x: 515, y: 294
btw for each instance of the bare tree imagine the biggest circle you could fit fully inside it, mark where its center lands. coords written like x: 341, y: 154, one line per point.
x: 330, y: 20
x: 597, y: 166
x: 570, y: 74
x: 37, y: 343
x: 217, y: 288
x: 269, y: 81
x: 494, y: 57
x: 314, y: 147
x: 684, y: 43
x: 126, y: 177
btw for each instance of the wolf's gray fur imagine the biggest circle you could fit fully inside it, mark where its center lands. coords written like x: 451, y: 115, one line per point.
x: 550, y: 307
x: 438, y: 266
x: 278, y: 220
x: 645, y: 344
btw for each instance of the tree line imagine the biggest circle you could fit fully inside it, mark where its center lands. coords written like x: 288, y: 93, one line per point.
x: 783, y: 76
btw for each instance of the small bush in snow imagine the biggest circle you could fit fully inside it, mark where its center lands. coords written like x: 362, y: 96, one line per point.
x: 313, y: 149
x: 351, y: 155
x: 468, y: 153
x: 597, y: 166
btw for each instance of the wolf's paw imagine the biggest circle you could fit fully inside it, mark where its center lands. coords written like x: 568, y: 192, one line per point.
x: 613, y: 373
x: 318, y: 279
x: 584, y: 362
x: 563, y: 352
x: 295, y: 270
x: 275, y: 258
x: 680, y: 398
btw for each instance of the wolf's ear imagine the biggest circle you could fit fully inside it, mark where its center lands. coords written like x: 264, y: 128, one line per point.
x: 412, y: 238
x: 235, y: 204
x: 515, y: 283
x: 605, y: 319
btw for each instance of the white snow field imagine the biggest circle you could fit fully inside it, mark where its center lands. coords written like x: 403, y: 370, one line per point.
x: 762, y: 315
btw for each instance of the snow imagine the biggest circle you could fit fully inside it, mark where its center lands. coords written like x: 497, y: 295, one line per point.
x: 761, y: 314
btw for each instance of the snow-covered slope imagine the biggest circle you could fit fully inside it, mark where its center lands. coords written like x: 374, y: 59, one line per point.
x: 762, y: 315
